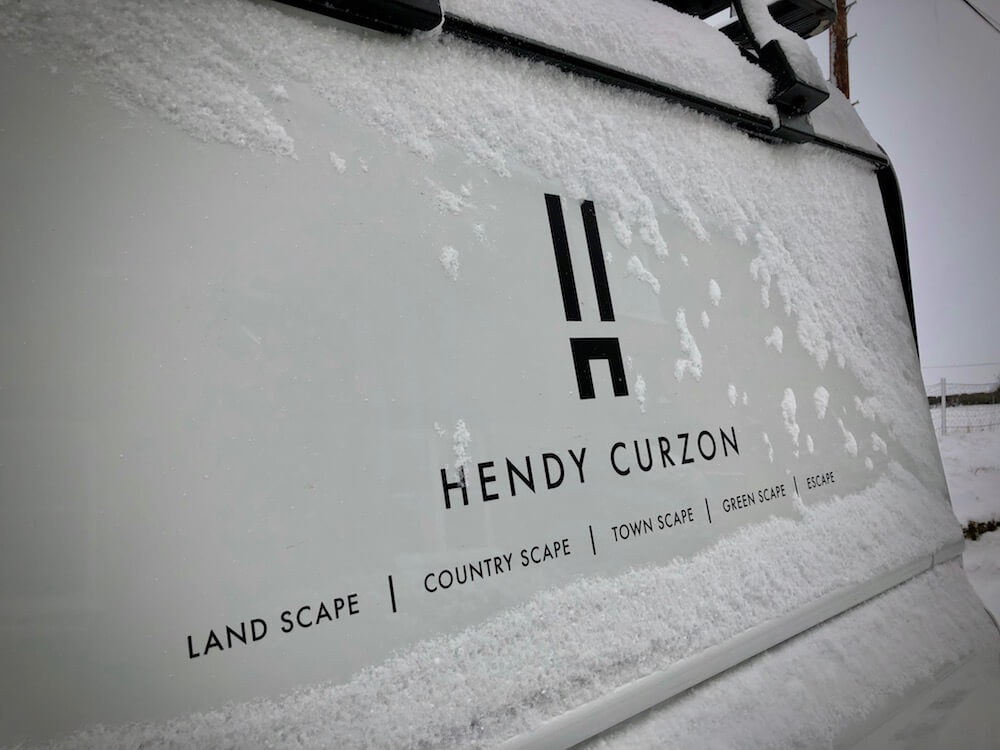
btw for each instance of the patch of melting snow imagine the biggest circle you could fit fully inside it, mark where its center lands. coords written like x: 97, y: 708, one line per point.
x: 775, y: 339
x: 867, y: 407
x: 878, y: 444
x: 788, y: 408
x: 279, y: 93
x: 640, y: 392
x: 821, y: 397
x: 731, y: 392
x: 714, y: 292
x: 649, y: 231
x: 690, y: 347
x: 461, y: 439
x: 770, y: 448
x: 705, y: 320
x: 809, y: 444
x: 623, y: 232
x: 850, y: 443
x: 761, y: 274
x: 338, y: 163
x: 449, y: 261
x: 450, y: 202
x: 635, y: 269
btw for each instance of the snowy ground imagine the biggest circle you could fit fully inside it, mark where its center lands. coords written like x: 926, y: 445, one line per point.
x: 960, y: 711
x: 972, y: 465
x: 982, y: 566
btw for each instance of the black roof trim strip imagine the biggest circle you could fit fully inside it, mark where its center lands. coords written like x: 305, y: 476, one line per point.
x: 750, y: 122
x: 391, y: 16
x: 588, y: 68
x: 793, y: 130
x: 892, y: 201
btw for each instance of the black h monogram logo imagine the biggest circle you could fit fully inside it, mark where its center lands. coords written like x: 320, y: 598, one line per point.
x: 585, y: 350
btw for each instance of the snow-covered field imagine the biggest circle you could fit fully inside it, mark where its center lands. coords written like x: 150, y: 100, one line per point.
x: 972, y: 465
x: 960, y: 711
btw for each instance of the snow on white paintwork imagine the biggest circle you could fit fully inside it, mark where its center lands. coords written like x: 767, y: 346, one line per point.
x: 640, y: 392
x: 460, y: 445
x: 449, y: 261
x: 874, y: 664
x: 705, y: 320
x: 714, y: 292
x: 821, y: 397
x: 770, y: 448
x: 690, y: 347
x: 435, y: 91
x: 788, y: 416
x: 866, y: 407
x: 850, y: 442
x: 731, y: 393
x: 635, y: 269
x: 279, y: 93
x: 879, y: 445
x: 761, y: 274
x: 810, y: 446
x: 649, y: 232
x: 623, y: 232
x: 338, y: 163
x: 450, y: 202
x: 619, y: 625
x: 775, y: 339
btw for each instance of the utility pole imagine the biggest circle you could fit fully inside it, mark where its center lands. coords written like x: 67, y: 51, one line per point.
x: 839, y: 40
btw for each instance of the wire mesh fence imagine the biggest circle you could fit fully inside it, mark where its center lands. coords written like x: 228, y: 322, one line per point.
x: 964, y: 407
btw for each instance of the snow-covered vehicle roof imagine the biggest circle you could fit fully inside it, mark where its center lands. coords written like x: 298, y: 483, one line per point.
x: 377, y: 390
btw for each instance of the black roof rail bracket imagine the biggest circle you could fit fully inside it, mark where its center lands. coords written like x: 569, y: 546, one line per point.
x: 791, y: 94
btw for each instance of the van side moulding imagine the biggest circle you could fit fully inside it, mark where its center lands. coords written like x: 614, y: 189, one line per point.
x: 597, y: 716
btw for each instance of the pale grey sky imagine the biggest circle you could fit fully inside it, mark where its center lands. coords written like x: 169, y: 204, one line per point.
x: 926, y: 74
